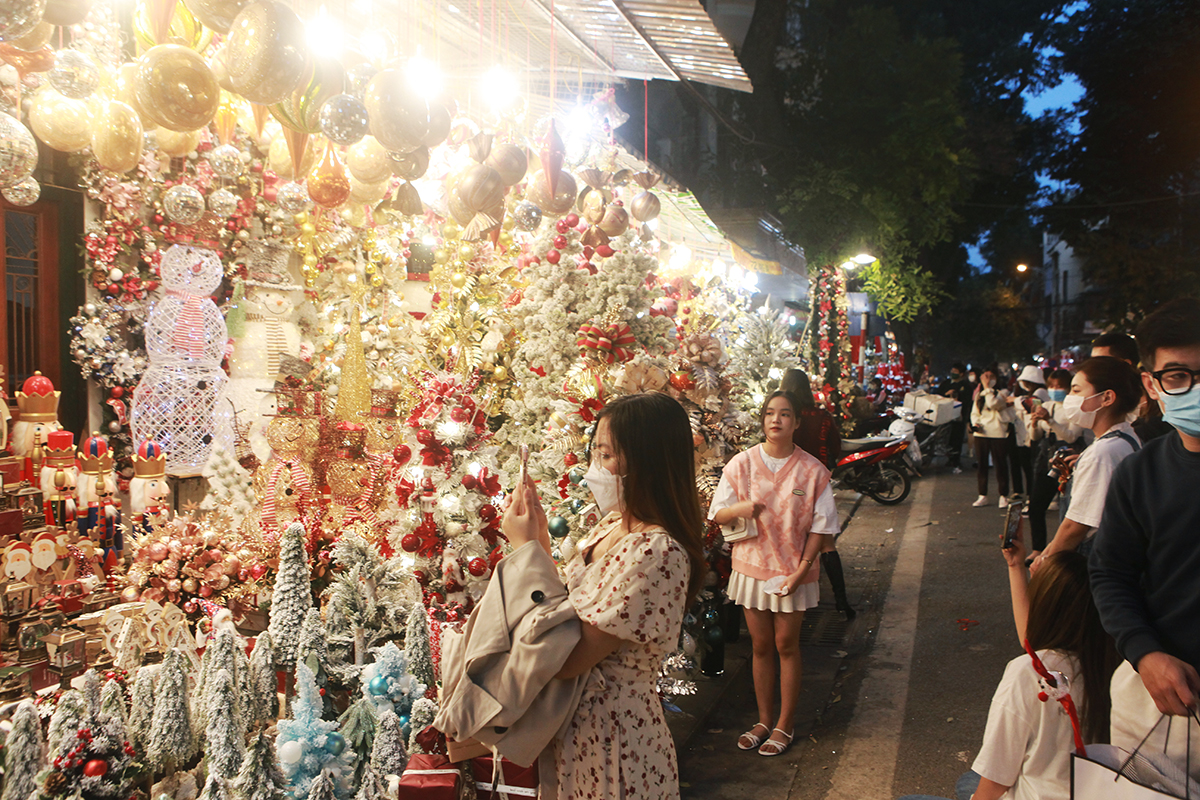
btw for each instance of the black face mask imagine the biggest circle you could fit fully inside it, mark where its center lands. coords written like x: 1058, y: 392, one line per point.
x: 955, y: 376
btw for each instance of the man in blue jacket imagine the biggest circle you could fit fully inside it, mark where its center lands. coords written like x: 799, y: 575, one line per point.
x: 1145, y: 568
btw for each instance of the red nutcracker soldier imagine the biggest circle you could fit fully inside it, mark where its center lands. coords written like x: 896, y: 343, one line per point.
x: 37, y: 403
x: 58, y: 477
x: 100, y: 516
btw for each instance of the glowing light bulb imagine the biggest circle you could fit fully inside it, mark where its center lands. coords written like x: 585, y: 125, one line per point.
x: 424, y: 77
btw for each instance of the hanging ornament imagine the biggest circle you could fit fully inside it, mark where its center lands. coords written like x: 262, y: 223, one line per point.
x: 552, y: 156
x: 184, y: 204
x: 527, y: 216
x: 266, y: 54
x: 20, y: 17
x: 176, y: 88
x: 558, y: 527
x: 399, y: 118
x: 292, y: 198
x: 18, y: 151
x: 117, y: 137
x: 645, y: 206
x: 223, y: 203
x: 226, y: 161
x: 216, y: 14
x: 344, y: 119
x: 410, y: 166
x: 368, y: 161
x: 328, y: 185
x: 176, y: 143
x: 23, y: 193
x: 62, y: 123
x: 74, y: 74
x: 558, y: 201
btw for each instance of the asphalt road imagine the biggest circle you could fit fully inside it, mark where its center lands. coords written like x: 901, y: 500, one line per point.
x: 895, y: 702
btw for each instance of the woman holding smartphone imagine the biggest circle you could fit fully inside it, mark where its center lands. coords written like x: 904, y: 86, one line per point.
x: 784, y: 492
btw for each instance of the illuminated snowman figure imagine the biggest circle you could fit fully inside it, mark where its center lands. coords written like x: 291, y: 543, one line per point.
x: 180, y: 402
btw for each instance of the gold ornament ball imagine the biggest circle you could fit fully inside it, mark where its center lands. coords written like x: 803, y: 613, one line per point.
x: 447, y: 340
x: 500, y: 374
x: 308, y: 229
x: 300, y: 218
x: 458, y: 280
x: 451, y: 230
x: 440, y: 256
x: 506, y: 239
x: 466, y: 252
x: 376, y: 280
x: 310, y: 260
x: 369, y: 268
x: 175, y: 86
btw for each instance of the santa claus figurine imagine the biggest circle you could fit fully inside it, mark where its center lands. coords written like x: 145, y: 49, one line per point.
x: 58, y: 478
x: 148, y: 491
x: 99, y: 510
x: 18, y: 561
x: 37, y: 403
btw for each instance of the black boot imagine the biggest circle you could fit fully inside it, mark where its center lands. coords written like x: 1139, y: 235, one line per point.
x: 831, y: 565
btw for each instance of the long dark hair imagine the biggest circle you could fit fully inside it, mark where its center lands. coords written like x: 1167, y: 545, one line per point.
x: 651, y: 432
x: 1108, y: 373
x: 796, y: 381
x: 1063, y: 616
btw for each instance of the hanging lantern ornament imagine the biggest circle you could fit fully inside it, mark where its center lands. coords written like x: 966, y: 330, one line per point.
x: 645, y: 206
x: 184, y: 204
x: 74, y: 74
x: 19, y: 18
x: 24, y: 193
x: 223, y: 203
x: 226, y: 161
x: 18, y: 151
x: 344, y: 119
x: 292, y: 198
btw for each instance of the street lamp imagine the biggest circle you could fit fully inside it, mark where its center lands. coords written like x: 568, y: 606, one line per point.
x: 863, y: 259
x: 1022, y: 267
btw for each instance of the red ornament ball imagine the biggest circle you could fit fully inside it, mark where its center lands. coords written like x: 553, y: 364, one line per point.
x: 402, y: 454
x: 487, y: 512
x: 453, y: 586
x: 604, y: 251
x: 410, y: 542
x: 682, y: 380
x: 560, y: 242
x: 477, y: 567
x: 553, y: 256
x: 561, y: 226
x: 459, y: 414
x: 572, y: 220
x: 421, y: 576
x: 425, y: 436
x: 469, y: 481
x: 96, y: 768
x: 117, y: 392
x: 570, y: 459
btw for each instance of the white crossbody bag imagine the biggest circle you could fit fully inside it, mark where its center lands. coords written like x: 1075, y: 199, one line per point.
x: 739, y: 529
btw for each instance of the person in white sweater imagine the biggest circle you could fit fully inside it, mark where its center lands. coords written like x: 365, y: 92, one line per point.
x: 991, y: 413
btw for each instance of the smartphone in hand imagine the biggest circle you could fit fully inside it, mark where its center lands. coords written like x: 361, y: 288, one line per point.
x: 524, y: 452
x: 1012, y: 521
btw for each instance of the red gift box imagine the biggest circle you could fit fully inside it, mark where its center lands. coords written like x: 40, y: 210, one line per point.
x: 430, y: 777
x: 511, y: 781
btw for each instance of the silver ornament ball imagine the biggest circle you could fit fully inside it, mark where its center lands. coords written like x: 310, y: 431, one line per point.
x: 344, y: 119
x: 184, y: 204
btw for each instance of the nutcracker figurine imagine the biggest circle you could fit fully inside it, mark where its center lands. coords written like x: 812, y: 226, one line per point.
x: 37, y: 403
x: 58, y: 478
x: 148, y: 491
x: 101, y: 521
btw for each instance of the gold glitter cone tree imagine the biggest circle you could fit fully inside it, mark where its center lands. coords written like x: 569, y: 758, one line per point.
x: 354, y: 387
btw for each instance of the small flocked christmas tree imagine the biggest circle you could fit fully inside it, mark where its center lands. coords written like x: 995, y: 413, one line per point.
x: 94, y: 762
x: 424, y: 711
x: 263, y: 699
x: 388, y: 755
x: 388, y: 684
x: 358, y: 725
x: 112, y: 702
x: 291, y: 599
x: 371, y: 787
x: 171, y: 742
x: 141, y: 706
x: 323, y: 787
x: 260, y: 777
x: 68, y: 717
x: 216, y: 788
x: 311, y: 649
x: 224, y: 737
x: 417, y: 648
x: 22, y: 753
x: 309, y: 745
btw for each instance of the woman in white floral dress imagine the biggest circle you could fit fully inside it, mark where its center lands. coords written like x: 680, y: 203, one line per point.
x: 631, y: 582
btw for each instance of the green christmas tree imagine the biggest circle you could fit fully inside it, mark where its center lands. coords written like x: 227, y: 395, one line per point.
x: 423, y: 713
x: 22, y: 753
x: 225, y: 742
x: 371, y: 787
x: 388, y: 755
x: 291, y: 599
x: 216, y: 788
x: 417, y: 649
x: 263, y: 704
x: 260, y: 777
x: 171, y: 742
x: 68, y: 717
x: 358, y: 725
x: 141, y: 705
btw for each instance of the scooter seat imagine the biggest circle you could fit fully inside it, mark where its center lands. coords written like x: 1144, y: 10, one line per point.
x: 854, y: 445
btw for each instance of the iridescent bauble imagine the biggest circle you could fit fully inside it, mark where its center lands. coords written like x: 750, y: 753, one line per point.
x: 368, y: 161
x: 74, y: 74
x: 223, y: 203
x: 292, y: 198
x: 117, y: 136
x: 335, y: 743
x: 559, y: 527
x: 60, y: 122
x: 378, y: 686
x: 344, y: 119
x: 19, y: 17
x: 18, y: 151
x: 24, y: 193
x: 184, y: 204
x: 527, y: 216
x: 216, y: 14
x: 226, y: 161
x: 266, y: 53
x: 176, y: 88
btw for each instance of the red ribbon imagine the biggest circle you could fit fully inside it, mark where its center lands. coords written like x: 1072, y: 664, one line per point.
x: 1066, y: 700
x: 189, y: 327
x: 606, y: 345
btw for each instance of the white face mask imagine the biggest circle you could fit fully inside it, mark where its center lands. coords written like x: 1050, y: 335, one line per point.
x: 608, y: 489
x: 1073, y: 408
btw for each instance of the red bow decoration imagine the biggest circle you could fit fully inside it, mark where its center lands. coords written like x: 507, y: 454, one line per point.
x: 429, y: 540
x: 1052, y: 690
x: 606, y: 345
x: 489, y: 483
x: 404, y: 490
x: 436, y: 454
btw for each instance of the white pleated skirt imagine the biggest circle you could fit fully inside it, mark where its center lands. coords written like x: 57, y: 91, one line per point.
x: 750, y: 592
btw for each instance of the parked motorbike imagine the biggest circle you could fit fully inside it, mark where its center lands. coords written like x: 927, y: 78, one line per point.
x: 874, y: 467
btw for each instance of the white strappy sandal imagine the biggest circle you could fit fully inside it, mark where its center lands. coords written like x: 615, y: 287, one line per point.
x: 754, y: 739
x: 772, y: 747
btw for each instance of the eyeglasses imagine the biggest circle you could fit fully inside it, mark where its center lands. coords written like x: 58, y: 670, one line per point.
x: 1176, y: 380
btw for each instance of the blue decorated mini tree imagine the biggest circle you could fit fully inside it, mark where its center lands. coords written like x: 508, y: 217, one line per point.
x: 389, y: 685
x: 309, y: 745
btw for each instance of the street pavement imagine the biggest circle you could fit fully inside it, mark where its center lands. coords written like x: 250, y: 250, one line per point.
x: 894, y: 702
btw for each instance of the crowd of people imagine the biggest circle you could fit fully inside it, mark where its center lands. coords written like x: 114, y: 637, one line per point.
x: 1108, y: 603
